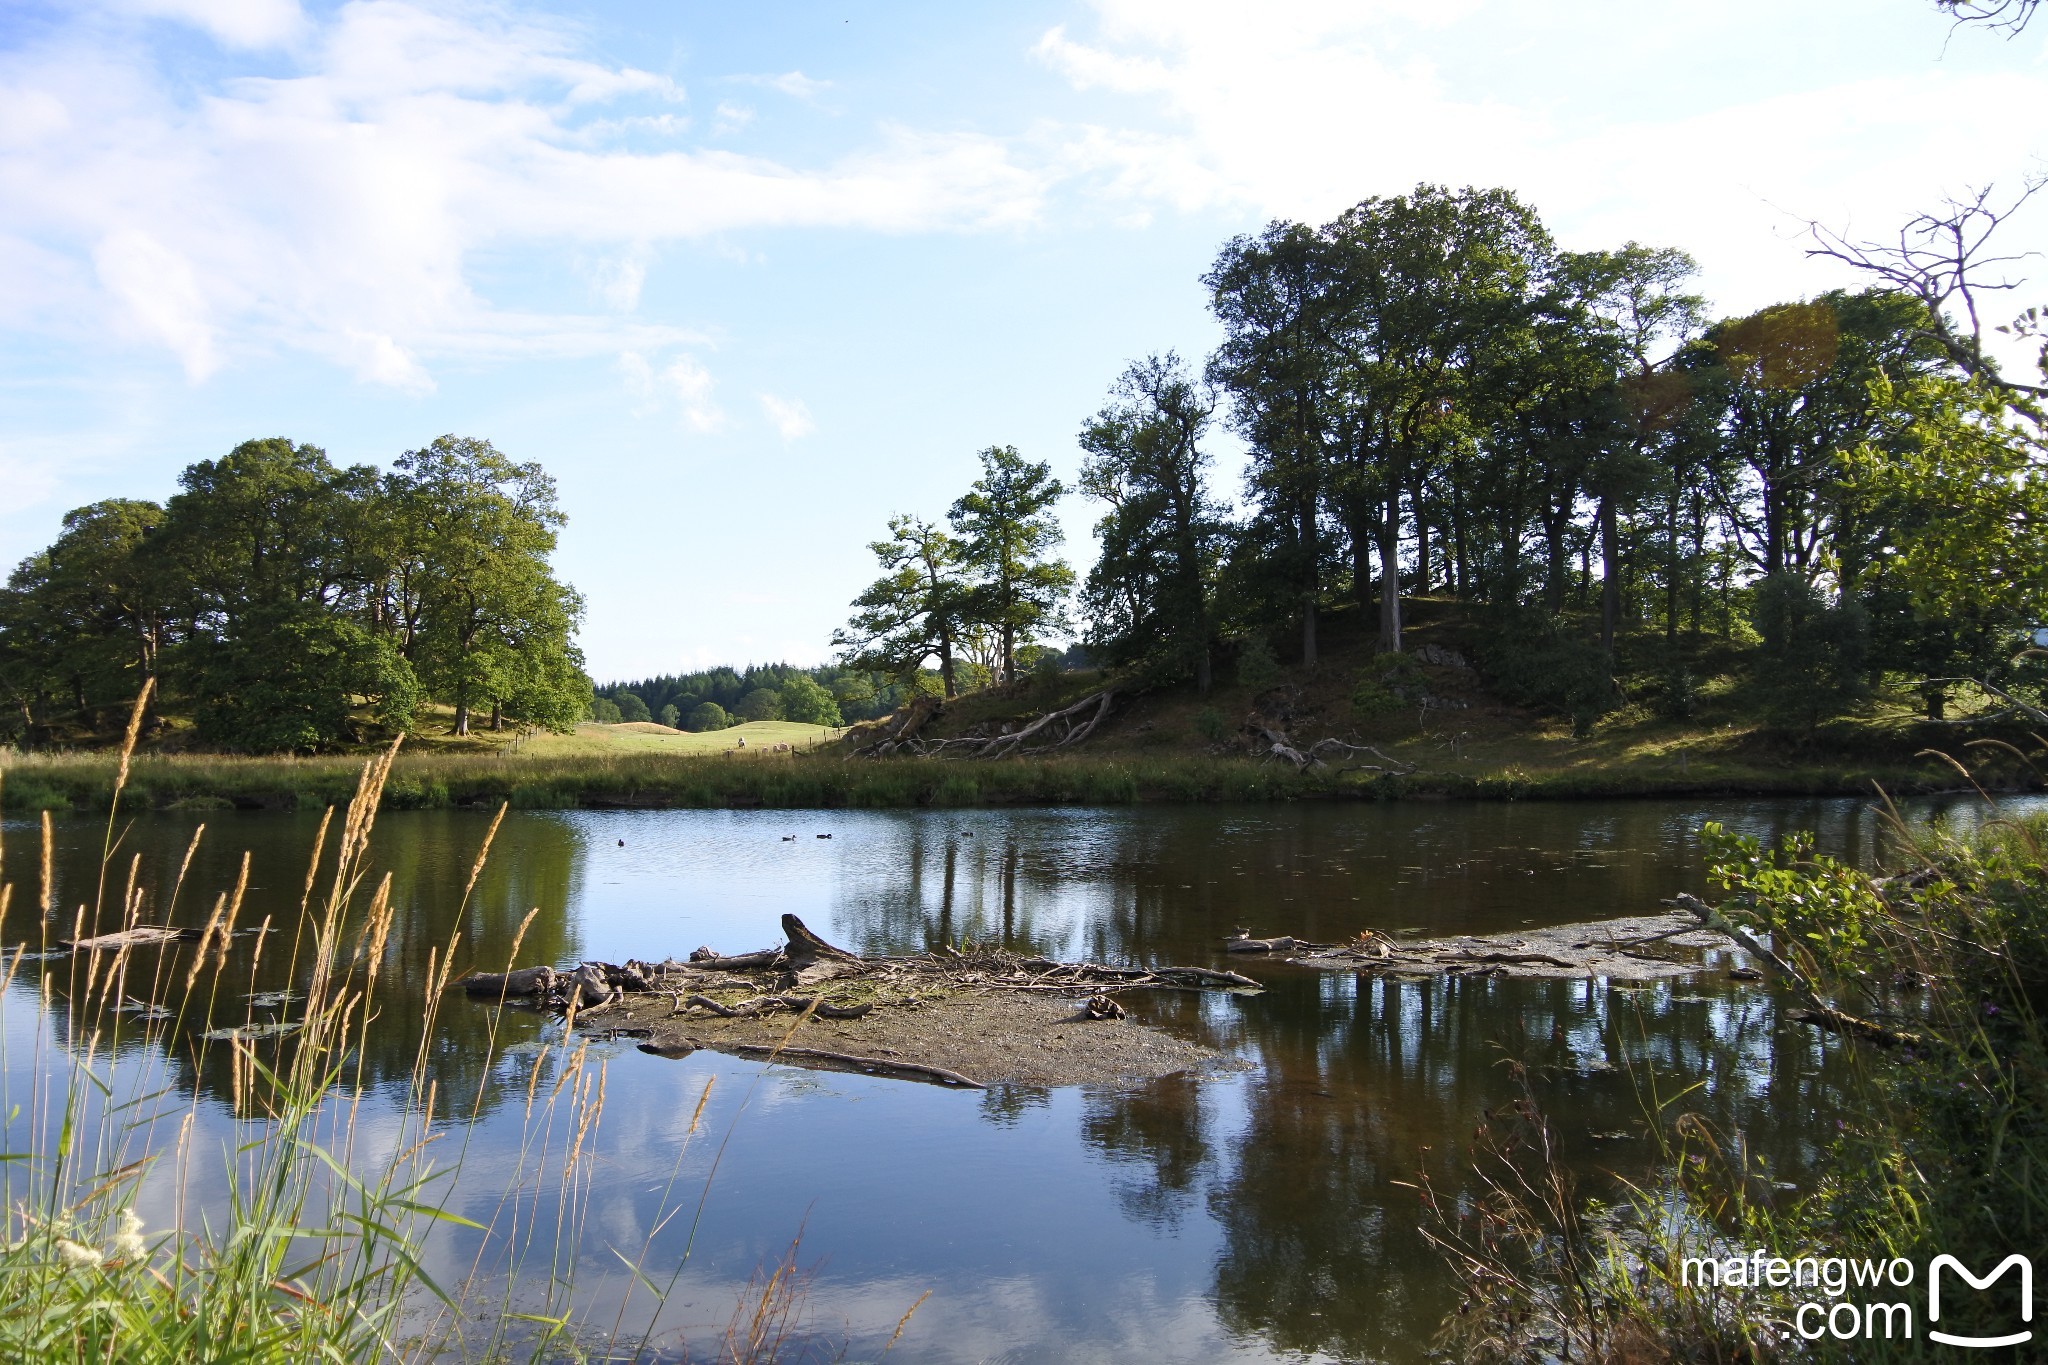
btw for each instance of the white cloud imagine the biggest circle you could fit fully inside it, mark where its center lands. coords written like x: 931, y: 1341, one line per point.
x: 234, y: 23
x: 683, y: 384
x: 790, y: 419
x: 160, y: 295
x: 731, y: 118
x: 690, y: 384
x: 1319, y: 103
x: 792, y: 83
x: 351, y: 196
x: 380, y: 360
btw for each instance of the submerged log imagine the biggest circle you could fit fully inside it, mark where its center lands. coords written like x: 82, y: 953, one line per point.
x: 141, y: 936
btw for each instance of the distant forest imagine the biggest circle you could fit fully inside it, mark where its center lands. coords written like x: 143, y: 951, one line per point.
x: 826, y: 695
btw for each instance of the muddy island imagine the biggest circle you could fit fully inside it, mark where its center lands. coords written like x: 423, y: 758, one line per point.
x: 969, y: 1017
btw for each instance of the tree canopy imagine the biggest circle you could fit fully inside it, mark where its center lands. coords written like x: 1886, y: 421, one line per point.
x: 288, y: 604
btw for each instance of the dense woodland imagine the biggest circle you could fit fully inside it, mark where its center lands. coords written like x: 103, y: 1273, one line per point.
x: 1436, y: 399
x: 284, y: 603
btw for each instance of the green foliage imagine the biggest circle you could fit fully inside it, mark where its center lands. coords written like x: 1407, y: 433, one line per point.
x: 1007, y: 532
x: 1390, y: 683
x: 1257, y: 669
x: 1211, y: 725
x: 285, y: 602
x: 804, y: 700
x: 1810, y: 905
x: 760, y: 704
x: 915, y: 611
x: 605, y: 711
x: 631, y: 708
x: 1955, y: 489
x: 1530, y: 658
x: 669, y: 716
x: 290, y: 681
x: 707, y: 716
x: 1150, y: 596
x: 1812, y: 660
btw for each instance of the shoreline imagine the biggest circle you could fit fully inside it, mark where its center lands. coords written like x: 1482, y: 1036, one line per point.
x: 429, y: 781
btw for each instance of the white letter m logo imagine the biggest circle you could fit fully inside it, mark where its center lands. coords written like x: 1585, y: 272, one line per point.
x: 2026, y: 1268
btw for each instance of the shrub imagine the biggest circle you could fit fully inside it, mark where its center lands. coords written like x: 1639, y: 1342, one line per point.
x: 1257, y: 669
x: 1529, y: 658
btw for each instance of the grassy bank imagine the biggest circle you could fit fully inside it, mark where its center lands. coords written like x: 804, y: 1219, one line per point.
x: 542, y: 780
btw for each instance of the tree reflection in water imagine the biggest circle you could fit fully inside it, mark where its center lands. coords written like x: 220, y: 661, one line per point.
x: 1289, y: 1167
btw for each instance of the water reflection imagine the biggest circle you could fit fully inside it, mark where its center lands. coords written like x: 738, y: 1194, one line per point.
x: 1250, y: 1213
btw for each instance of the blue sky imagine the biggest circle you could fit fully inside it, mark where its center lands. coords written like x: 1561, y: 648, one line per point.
x: 749, y: 279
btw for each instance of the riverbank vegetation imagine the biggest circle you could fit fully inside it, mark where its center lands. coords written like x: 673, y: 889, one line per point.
x: 1932, y: 976
x: 257, y: 1192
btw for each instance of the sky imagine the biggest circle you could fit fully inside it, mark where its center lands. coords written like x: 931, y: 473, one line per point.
x: 748, y: 280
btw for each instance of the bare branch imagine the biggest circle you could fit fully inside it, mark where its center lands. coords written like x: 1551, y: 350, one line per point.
x: 1941, y: 259
x: 2005, y: 16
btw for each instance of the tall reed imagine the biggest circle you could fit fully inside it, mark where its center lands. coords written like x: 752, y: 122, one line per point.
x: 300, y: 1237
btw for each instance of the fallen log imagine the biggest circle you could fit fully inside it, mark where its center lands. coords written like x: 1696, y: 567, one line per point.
x: 873, y: 1065
x: 505, y: 985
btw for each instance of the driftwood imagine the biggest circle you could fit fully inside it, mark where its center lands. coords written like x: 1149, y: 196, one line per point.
x: 805, y: 959
x: 141, y: 936
x: 761, y: 1003
x: 873, y: 1065
x: 1820, y: 1014
x: 524, y: 982
x: 1069, y: 725
x: 1243, y: 942
x: 1280, y: 745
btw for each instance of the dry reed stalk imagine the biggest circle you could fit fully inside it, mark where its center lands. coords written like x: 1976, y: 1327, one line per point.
x: 128, y: 738
x: 49, y: 867
x: 698, y: 1113
x: 533, y: 1078
x: 220, y: 905
x: 476, y: 869
x: 904, y: 1321
x: 227, y: 925
x: 587, y: 1116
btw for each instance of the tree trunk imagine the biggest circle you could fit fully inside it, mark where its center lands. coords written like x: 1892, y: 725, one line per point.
x: 1610, y: 579
x: 946, y: 661
x: 1202, y: 667
x: 1308, y: 634
x: 497, y: 715
x: 1390, y: 578
x: 1009, y: 653
x: 461, y: 726
x: 1421, y: 547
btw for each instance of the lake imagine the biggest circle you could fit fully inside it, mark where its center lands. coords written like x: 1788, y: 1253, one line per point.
x: 1255, y: 1211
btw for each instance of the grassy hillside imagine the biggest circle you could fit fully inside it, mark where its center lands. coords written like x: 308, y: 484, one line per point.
x: 1472, y: 740
x: 1164, y: 743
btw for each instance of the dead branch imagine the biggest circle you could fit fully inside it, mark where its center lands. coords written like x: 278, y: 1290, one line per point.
x: 1385, y: 764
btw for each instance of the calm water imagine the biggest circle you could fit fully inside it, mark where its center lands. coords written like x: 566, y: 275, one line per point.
x: 1247, y: 1214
